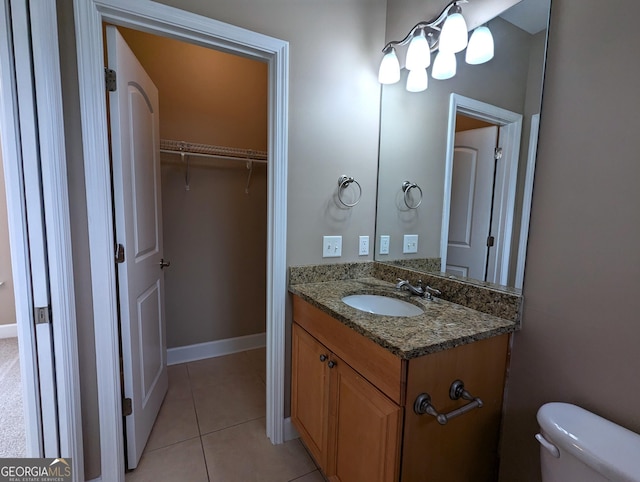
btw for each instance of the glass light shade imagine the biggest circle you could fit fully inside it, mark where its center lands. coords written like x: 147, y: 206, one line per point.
x: 444, y: 66
x: 480, y: 48
x: 389, y: 72
x: 453, y: 37
x: 417, y: 80
x: 418, y: 53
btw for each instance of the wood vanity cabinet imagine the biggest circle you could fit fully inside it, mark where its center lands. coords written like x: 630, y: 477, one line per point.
x: 352, y: 404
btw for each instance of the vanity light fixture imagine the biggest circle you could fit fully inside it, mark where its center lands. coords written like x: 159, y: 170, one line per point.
x: 447, y: 33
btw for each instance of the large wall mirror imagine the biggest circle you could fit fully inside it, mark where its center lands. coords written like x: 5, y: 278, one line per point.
x: 456, y: 160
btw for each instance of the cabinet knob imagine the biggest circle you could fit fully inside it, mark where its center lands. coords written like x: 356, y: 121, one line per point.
x: 323, y: 358
x: 332, y: 364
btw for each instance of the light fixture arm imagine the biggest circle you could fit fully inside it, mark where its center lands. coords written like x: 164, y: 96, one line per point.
x: 431, y: 27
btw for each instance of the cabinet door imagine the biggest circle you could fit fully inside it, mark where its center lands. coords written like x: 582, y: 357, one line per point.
x: 310, y: 392
x: 365, y: 425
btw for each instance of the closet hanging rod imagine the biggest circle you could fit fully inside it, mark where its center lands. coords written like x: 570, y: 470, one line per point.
x: 204, y: 150
x: 215, y: 156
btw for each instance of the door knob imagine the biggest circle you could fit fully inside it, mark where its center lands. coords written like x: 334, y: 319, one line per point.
x: 332, y: 363
x: 164, y: 264
x: 323, y: 357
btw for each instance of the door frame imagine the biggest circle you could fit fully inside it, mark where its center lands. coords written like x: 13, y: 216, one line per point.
x: 526, y: 199
x: 163, y: 20
x: 33, y: 114
x: 510, y: 124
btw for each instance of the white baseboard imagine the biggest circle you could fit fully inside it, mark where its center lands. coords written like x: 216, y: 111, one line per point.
x: 200, y: 351
x: 290, y: 431
x: 9, y: 331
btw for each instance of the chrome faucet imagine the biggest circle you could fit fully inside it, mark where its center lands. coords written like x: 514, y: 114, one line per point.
x: 416, y: 290
x: 419, y: 290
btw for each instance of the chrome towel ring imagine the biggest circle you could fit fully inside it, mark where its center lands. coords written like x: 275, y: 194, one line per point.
x: 406, y: 188
x: 343, y: 183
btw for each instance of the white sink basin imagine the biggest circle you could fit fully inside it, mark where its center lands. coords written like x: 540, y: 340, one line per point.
x: 382, y: 305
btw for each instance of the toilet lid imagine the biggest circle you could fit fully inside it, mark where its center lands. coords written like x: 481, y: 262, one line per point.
x: 610, y: 449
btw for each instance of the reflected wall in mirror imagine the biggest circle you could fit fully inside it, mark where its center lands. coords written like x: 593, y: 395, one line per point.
x: 417, y: 133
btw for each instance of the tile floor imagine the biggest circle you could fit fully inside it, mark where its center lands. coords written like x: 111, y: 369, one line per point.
x: 211, y: 427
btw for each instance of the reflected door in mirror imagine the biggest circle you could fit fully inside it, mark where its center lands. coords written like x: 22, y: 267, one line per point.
x: 471, y: 201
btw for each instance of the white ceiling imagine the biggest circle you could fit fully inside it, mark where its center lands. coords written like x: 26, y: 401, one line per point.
x: 530, y: 15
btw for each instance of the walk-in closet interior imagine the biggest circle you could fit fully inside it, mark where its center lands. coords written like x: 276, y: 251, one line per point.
x: 213, y: 128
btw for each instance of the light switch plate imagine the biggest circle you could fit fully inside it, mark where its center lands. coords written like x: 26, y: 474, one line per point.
x: 410, y: 243
x: 384, y: 244
x: 331, y: 246
x: 363, y: 246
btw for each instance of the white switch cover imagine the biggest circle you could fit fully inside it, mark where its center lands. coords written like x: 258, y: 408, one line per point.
x: 331, y: 246
x: 410, y: 243
x: 363, y: 246
x: 384, y: 244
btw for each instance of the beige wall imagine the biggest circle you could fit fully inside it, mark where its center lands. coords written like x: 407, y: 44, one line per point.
x: 333, y: 129
x: 79, y: 243
x: 335, y: 50
x: 7, y: 301
x: 579, y: 339
x: 205, y: 96
x: 214, y: 234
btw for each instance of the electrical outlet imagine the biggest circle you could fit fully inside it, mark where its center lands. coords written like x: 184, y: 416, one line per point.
x: 410, y: 243
x: 384, y: 243
x: 331, y: 246
x: 363, y: 246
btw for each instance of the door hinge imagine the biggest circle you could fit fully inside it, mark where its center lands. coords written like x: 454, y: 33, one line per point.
x: 490, y: 241
x: 110, y: 79
x: 119, y: 253
x: 42, y: 315
x: 127, y: 407
x: 497, y: 154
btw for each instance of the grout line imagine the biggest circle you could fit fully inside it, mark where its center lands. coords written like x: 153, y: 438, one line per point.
x: 234, y: 425
x: 204, y: 457
x: 308, y: 473
x: 145, y: 451
x: 193, y: 399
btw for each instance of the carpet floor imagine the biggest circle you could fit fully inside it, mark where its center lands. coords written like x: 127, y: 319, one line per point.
x: 12, y: 431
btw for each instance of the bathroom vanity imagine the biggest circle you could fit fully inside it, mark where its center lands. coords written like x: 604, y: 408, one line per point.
x: 356, y: 378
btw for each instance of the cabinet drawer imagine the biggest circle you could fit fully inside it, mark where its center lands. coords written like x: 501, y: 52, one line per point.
x: 380, y: 367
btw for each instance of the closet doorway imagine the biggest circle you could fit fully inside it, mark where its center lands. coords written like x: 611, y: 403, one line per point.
x: 178, y: 24
x: 212, y: 214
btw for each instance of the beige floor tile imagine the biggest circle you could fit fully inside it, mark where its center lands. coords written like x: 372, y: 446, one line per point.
x: 227, y: 404
x: 182, y: 462
x: 314, y: 476
x: 176, y: 422
x: 244, y: 454
x: 222, y: 369
x: 258, y: 360
x: 179, y: 386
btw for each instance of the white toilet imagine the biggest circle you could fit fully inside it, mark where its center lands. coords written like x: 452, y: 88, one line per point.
x: 579, y: 446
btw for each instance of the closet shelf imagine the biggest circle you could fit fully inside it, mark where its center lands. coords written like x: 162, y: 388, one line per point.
x: 186, y: 150
x: 204, y: 150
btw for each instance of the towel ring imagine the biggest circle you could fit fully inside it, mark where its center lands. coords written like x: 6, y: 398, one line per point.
x: 408, y: 186
x: 343, y: 183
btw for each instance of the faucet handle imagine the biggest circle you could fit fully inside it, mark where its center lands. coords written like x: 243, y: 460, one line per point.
x: 431, y: 291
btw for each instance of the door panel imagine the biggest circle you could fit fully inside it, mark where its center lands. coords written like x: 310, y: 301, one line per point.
x: 138, y: 212
x: 462, y: 190
x: 143, y: 172
x: 150, y: 335
x: 471, y: 197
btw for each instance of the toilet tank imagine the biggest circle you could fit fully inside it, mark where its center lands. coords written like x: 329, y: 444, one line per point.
x: 577, y: 445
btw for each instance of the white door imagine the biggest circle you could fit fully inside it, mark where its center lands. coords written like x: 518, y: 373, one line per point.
x: 471, y: 199
x: 136, y: 179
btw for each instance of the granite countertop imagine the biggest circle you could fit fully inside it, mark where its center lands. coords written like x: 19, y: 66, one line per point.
x: 443, y: 324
